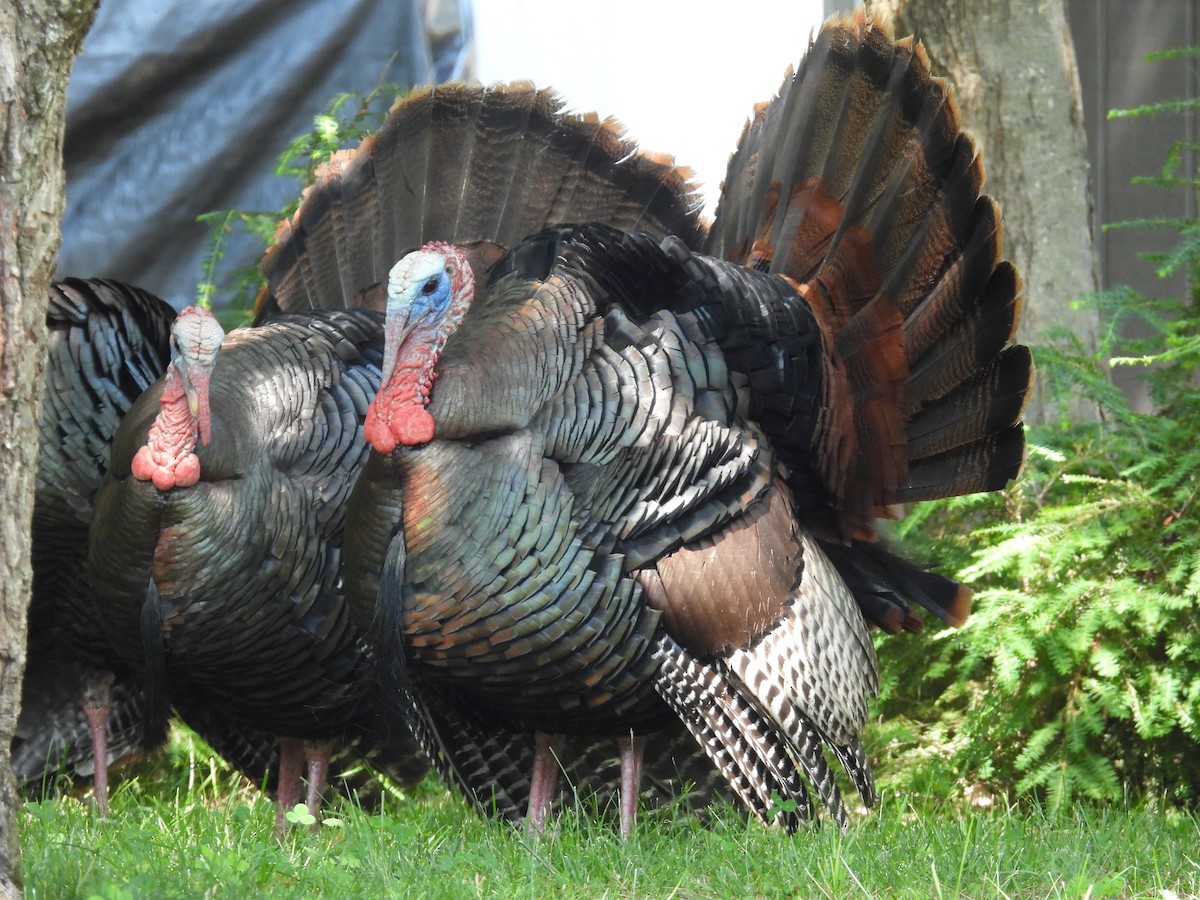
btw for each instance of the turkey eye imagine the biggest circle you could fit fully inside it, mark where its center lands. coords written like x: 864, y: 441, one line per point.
x: 429, y: 287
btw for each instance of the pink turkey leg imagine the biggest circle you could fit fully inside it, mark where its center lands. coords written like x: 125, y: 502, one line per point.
x: 631, y: 749
x: 316, y: 754
x: 95, y: 707
x: 544, y: 780
x: 291, y: 754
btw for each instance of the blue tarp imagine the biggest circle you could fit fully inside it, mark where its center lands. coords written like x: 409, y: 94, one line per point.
x: 180, y: 107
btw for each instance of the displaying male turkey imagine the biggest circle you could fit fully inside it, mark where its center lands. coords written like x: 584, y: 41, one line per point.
x: 648, y: 477
x: 563, y: 168
x: 81, y: 710
x: 107, y: 343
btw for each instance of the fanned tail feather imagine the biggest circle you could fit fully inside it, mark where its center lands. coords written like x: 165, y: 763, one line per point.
x: 466, y: 164
x: 858, y: 183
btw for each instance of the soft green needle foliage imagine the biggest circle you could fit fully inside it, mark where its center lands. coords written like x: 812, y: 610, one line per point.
x: 1078, y: 674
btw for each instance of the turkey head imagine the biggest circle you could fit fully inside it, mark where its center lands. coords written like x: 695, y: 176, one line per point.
x: 429, y: 292
x: 169, y: 457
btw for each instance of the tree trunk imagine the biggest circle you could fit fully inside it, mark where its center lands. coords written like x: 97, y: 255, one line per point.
x: 1012, y: 63
x: 38, y: 43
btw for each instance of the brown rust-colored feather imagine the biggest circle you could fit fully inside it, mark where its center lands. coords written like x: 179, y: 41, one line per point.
x: 727, y: 589
x: 858, y: 182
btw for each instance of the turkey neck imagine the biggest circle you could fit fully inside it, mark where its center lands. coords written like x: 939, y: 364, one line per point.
x: 411, y: 375
x: 175, y: 430
x: 397, y: 416
x: 419, y: 321
x: 168, y: 458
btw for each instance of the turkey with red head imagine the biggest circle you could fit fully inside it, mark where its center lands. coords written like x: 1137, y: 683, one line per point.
x: 625, y: 469
x: 83, y: 710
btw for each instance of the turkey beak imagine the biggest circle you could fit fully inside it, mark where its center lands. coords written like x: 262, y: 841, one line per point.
x: 195, y: 385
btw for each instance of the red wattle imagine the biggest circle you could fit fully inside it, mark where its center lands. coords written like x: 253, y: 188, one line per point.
x: 187, y: 471
x: 407, y: 425
x: 412, y: 425
x: 143, y: 465
x: 377, y: 433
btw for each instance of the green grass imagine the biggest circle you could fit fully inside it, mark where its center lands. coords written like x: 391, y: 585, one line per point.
x: 182, y: 829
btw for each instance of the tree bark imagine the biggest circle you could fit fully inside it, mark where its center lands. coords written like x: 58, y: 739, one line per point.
x: 1012, y: 63
x: 39, y: 40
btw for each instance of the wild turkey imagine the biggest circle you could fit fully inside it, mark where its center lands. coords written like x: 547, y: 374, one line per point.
x: 215, y: 567
x: 107, y: 342
x: 650, y: 478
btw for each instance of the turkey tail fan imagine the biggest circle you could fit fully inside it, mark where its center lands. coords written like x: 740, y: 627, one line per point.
x: 106, y: 343
x: 466, y: 164
x: 858, y: 183
x: 116, y: 339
